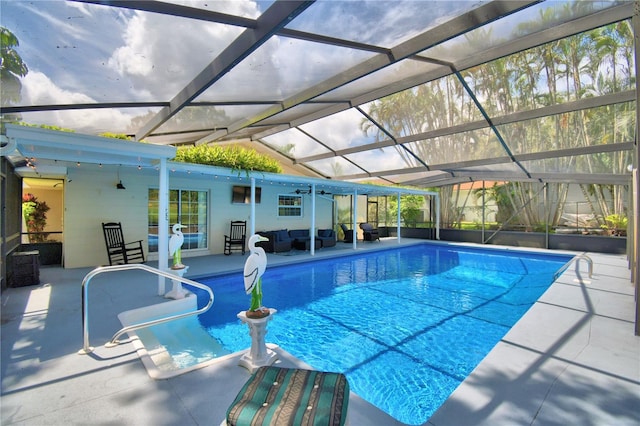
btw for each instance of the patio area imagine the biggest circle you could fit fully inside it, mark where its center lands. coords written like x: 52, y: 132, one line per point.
x: 572, y: 359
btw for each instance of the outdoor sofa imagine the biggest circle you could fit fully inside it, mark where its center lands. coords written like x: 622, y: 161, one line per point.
x: 302, y: 239
x: 279, y: 241
x: 284, y: 240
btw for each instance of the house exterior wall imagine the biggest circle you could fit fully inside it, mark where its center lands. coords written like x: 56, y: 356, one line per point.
x: 91, y: 197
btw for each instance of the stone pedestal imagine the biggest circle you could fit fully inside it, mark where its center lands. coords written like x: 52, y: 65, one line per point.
x: 259, y: 355
x: 177, y: 292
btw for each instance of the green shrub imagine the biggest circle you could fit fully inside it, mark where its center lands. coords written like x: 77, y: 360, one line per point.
x: 233, y: 157
x: 116, y: 136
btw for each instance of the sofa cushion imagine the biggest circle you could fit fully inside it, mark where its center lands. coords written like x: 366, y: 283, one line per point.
x: 299, y: 233
x: 287, y: 396
x: 325, y: 232
x: 282, y: 235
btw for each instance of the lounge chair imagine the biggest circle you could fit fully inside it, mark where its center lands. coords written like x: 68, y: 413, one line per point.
x: 369, y: 233
x: 291, y: 396
x: 348, y: 233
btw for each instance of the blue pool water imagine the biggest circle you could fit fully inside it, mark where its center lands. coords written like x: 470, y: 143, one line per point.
x: 406, y: 326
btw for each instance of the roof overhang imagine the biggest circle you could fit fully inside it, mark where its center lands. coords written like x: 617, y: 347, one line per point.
x: 37, y: 152
x: 27, y: 146
x: 301, y: 184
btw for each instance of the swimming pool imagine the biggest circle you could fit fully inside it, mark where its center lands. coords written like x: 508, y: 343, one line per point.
x: 406, y: 325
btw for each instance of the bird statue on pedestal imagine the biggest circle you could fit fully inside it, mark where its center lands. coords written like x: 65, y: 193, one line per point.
x: 254, y: 267
x: 175, y: 245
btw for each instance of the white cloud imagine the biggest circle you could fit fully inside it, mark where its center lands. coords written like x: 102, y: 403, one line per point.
x: 162, y: 54
x: 135, y: 57
x: 38, y: 89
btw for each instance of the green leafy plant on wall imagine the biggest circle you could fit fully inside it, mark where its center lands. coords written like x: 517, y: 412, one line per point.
x: 121, y: 136
x: 35, y: 216
x: 233, y: 157
x: 45, y: 126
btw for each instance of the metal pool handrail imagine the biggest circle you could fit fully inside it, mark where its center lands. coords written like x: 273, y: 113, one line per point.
x: 103, y: 269
x: 575, y: 259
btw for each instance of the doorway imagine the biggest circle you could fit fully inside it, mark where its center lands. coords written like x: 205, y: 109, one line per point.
x: 43, y: 218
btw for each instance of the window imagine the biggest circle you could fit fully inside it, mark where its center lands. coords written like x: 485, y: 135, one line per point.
x: 242, y: 195
x: 186, y: 207
x: 290, y: 205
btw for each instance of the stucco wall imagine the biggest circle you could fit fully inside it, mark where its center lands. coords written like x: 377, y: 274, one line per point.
x: 91, y: 198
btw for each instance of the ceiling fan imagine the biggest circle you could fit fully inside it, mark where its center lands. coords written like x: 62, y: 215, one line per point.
x: 308, y: 191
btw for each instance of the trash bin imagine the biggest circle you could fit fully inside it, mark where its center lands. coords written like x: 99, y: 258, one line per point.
x: 25, y: 268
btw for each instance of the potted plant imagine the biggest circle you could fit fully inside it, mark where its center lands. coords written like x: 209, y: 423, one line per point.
x: 616, y: 224
x: 34, y: 212
x: 35, y: 216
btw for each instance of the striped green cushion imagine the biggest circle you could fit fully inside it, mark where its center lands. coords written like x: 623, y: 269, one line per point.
x: 289, y: 396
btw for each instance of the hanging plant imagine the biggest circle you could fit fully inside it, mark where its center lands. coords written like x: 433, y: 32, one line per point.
x: 35, y: 216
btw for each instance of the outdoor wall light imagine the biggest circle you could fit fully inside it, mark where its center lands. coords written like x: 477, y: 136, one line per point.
x: 119, y: 185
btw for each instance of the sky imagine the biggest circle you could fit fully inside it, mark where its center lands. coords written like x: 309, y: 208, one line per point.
x: 84, y: 53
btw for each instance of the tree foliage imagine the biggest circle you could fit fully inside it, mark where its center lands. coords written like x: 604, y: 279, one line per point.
x: 594, y: 63
x: 11, y: 68
x: 410, y: 209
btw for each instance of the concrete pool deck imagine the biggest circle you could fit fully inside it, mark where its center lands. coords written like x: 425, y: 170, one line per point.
x: 572, y: 359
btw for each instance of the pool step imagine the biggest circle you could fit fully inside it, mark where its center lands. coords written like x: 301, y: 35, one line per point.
x: 173, y: 347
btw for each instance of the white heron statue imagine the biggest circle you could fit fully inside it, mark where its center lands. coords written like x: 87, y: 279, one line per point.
x: 175, y: 245
x: 254, y: 267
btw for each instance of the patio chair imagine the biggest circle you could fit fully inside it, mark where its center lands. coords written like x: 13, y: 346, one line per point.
x: 327, y: 237
x: 236, y: 240
x: 291, y: 396
x: 369, y: 233
x: 348, y: 233
x: 119, y: 252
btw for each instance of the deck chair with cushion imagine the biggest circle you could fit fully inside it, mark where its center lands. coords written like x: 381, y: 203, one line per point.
x: 348, y: 233
x: 119, y: 252
x: 369, y: 233
x: 290, y: 396
x: 237, y: 238
x: 327, y: 237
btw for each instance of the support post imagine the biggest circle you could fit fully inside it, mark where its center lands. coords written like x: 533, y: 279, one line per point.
x: 634, y: 253
x: 354, y: 208
x: 163, y: 223
x: 312, y: 246
x: 399, y: 228
x: 252, y: 219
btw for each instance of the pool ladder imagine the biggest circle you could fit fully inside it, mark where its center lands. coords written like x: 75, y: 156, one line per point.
x: 114, y: 340
x: 576, y: 259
